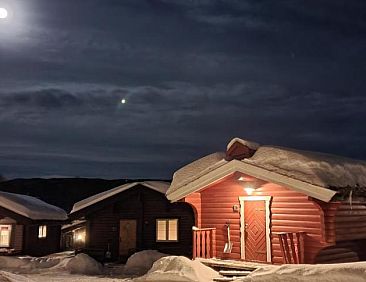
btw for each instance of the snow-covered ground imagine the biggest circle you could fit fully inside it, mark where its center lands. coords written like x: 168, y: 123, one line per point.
x: 143, y: 266
x: 156, y: 267
x: 343, y: 272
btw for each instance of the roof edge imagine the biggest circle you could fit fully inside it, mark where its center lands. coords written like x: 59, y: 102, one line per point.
x: 122, y: 188
x: 317, y: 192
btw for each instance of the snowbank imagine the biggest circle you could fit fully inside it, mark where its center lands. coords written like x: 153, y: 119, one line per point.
x: 26, y: 264
x: 84, y: 264
x: 350, y: 272
x: 10, y: 277
x: 139, y: 263
x: 178, y: 269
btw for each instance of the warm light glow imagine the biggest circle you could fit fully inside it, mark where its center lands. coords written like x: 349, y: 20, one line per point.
x: 3, y: 13
x: 249, y: 190
x: 123, y: 101
x: 42, y: 231
x: 80, y: 235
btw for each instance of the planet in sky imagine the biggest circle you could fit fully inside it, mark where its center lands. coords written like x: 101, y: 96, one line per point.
x: 123, y: 101
x: 3, y: 13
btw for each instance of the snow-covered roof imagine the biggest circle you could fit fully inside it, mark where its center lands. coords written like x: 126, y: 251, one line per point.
x: 159, y: 186
x: 73, y: 224
x: 325, y: 170
x: 196, y: 169
x: 315, y: 174
x: 31, y: 207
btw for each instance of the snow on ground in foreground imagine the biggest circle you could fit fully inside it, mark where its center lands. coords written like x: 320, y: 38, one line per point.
x: 83, y: 264
x: 140, y: 263
x: 58, y: 268
x: 343, y: 272
x: 10, y: 277
x: 178, y: 268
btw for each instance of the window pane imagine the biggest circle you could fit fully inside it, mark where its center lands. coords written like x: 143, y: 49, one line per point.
x: 161, y: 230
x: 42, y: 231
x: 5, y: 235
x: 173, y: 229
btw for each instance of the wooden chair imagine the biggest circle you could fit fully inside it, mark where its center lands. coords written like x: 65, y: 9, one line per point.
x: 292, y: 247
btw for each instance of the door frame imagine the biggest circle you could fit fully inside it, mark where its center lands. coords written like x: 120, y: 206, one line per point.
x: 267, y: 200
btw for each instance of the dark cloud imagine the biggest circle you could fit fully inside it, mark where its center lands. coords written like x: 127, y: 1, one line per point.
x: 194, y: 74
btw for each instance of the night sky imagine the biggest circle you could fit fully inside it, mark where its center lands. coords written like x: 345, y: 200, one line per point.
x: 194, y: 75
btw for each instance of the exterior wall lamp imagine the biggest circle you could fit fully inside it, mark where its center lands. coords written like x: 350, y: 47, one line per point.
x: 249, y: 183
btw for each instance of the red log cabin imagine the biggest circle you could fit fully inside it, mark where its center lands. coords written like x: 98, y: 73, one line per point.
x: 275, y: 205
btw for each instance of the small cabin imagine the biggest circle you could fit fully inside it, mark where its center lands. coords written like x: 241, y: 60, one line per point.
x: 132, y: 217
x: 275, y: 205
x: 29, y: 226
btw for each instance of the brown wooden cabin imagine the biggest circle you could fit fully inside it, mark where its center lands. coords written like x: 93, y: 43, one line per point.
x: 282, y: 205
x: 129, y: 218
x: 29, y: 226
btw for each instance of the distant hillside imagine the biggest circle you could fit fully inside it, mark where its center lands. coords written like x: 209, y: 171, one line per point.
x: 61, y: 192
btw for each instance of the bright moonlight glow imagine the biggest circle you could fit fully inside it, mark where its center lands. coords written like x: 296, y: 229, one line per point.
x: 3, y: 13
x: 123, y: 101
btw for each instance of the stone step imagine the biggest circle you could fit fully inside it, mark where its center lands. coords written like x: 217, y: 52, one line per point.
x: 223, y: 279
x: 234, y: 272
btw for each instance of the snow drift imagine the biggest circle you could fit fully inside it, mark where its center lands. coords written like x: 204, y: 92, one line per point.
x: 140, y: 263
x: 84, y: 264
x: 350, y: 272
x: 178, y: 269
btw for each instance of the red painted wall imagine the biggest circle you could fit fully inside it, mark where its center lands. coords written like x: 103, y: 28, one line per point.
x: 290, y: 212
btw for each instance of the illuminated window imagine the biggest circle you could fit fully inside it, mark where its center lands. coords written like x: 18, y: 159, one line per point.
x: 79, y: 235
x: 167, y: 230
x: 42, y: 231
x: 5, y: 235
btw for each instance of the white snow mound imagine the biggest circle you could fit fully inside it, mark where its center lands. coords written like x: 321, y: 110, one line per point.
x: 10, y: 277
x: 178, y: 269
x: 26, y: 264
x: 140, y: 263
x: 350, y: 272
x: 84, y: 264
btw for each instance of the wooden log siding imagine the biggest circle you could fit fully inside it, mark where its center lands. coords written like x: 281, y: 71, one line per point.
x: 18, y: 238
x: 144, y: 205
x: 342, y: 252
x: 194, y: 200
x: 290, y: 212
x: 344, y: 222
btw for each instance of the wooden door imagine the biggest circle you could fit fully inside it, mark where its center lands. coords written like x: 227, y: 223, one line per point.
x: 127, y: 236
x: 255, y: 231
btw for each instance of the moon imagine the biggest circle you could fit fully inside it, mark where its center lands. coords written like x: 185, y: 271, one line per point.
x: 3, y: 13
x: 123, y: 101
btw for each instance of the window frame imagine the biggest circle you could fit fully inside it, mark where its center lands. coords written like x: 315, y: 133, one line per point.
x: 10, y: 230
x: 167, y: 240
x: 42, y: 231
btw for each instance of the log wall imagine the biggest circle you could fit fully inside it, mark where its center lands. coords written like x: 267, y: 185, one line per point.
x: 145, y: 206
x: 290, y: 212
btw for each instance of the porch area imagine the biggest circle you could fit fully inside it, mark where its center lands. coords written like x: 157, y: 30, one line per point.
x: 204, y: 249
